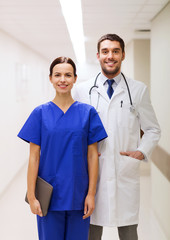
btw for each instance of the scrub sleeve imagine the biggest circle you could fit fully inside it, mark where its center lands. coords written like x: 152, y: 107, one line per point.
x: 31, y: 131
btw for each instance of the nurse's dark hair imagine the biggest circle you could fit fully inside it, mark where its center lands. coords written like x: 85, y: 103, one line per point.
x: 62, y: 60
x: 111, y: 37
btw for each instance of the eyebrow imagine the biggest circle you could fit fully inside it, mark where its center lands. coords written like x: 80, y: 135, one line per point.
x: 65, y: 73
x: 107, y: 49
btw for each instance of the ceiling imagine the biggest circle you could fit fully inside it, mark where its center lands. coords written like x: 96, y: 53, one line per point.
x: 40, y: 24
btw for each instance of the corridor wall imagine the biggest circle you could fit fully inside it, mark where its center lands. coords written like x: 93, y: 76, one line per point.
x: 160, y: 95
x: 23, y: 85
x: 137, y: 60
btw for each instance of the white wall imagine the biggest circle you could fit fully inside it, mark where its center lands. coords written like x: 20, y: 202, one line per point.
x: 142, y: 60
x: 160, y: 92
x: 160, y: 72
x: 23, y: 85
x: 161, y: 199
x: 128, y: 63
x: 87, y: 71
x: 137, y: 60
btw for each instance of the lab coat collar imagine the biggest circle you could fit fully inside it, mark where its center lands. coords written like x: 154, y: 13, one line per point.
x: 117, y: 79
x: 122, y: 83
x: 121, y: 86
x: 101, y: 90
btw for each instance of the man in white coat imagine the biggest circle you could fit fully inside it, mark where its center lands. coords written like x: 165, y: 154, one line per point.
x: 125, y: 108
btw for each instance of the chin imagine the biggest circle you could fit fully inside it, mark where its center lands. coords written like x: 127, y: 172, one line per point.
x: 111, y: 71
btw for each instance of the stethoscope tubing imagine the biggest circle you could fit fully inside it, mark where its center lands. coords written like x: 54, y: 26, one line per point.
x: 95, y: 86
x: 130, y: 98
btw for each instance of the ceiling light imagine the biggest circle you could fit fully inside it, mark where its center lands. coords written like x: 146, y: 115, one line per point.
x: 72, y: 12
x: 142, y: 30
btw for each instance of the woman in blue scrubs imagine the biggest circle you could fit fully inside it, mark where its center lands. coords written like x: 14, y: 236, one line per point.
x: 63, y: 136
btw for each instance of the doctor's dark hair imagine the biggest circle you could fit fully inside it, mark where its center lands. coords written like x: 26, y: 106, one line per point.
x: 62, y: 60
x: 111, y: 37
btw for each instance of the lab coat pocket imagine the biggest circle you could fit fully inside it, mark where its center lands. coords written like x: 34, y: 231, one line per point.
x: 129, y: 169
x: 126, y: 117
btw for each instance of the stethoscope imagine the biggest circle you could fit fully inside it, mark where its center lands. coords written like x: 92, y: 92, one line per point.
x: 132, y: 108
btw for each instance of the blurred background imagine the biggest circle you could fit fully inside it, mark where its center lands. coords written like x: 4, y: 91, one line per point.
x: 32, y: 34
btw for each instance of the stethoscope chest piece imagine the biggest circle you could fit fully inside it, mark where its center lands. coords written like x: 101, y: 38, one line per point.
x: 132, y: 109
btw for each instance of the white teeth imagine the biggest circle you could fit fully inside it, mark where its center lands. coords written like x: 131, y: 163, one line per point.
x: 110, y: 63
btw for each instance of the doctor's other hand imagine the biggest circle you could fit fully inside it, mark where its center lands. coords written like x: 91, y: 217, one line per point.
x: 35, y: 207
x: 89, y: 206
x: 134, y: 154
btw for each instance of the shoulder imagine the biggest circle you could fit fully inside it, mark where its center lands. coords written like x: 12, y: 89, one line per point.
x: 88, y: 113
x: 136, y: 86
x: 81, y: 90
x: 139, y: 91
x: 39, y: 109
x: 85, y: 107
x: 136, y: 83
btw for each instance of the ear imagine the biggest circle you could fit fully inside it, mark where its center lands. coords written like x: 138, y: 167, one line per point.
x: 75, y: 79
x: 50, y: 78
x: 123, y: 56
x: 98, y: 55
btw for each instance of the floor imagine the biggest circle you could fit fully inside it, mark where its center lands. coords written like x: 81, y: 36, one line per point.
x: 17, y: 222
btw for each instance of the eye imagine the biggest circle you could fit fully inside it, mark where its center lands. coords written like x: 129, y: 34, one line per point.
x: 105, y: 52
x: 116, y: 51
x: 68, y: 75
x: 57, y: 75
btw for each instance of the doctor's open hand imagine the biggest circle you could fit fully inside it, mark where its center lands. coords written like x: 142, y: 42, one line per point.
x: 35, y: 207
x: 89, y: 206
x: 134, y: 154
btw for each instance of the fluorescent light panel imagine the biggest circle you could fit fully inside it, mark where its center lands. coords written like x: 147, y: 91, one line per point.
x: 72, y: 12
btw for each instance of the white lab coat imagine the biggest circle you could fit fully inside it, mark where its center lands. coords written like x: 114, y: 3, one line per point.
x: 117, y: 196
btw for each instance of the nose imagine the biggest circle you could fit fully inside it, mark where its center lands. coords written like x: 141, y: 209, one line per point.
x: 110, y: 55
x: 62, y: 78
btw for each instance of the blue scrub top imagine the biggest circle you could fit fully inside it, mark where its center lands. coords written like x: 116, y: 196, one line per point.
x: 64, y: 139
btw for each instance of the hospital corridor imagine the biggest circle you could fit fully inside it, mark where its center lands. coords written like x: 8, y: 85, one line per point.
x: 16, y: 213
x: 35, y: 32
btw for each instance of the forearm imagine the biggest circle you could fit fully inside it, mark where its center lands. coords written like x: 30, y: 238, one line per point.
x: 32, y: 171
x: 92, y: 169
x: 89, y: 204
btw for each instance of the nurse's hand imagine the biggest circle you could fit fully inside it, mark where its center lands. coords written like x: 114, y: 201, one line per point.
x: 35, y: 207
x: 134, y: 154
x: 89, y: 206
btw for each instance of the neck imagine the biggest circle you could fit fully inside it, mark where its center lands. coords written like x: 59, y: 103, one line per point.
x: 111, y: 75
x: 63, y: 99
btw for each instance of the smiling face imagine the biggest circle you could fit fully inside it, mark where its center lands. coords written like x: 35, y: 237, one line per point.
x: 110, y: 56
x: 63, y: 78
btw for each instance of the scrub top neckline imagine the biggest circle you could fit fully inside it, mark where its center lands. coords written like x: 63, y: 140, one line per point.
x: 61, y: 109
